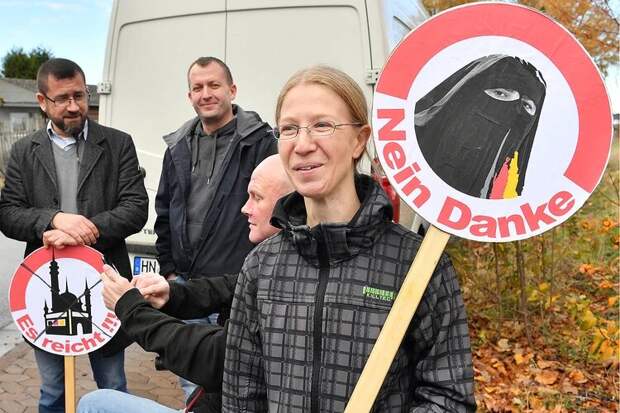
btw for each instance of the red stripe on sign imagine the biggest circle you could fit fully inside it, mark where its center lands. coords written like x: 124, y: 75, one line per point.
x: 551, y: 39
x: 17, y: 291
x: 595, y: 129
x: 39, y: 257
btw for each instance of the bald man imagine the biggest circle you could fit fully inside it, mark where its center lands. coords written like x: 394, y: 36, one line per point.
x: 193, y: 351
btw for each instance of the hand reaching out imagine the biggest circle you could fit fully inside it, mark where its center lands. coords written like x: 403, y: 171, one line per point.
x: 154, y: 288
x: 114, y: 286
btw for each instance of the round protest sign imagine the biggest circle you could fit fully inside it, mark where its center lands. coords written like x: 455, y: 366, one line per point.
x: 55, y: 300
x: 492, y: 122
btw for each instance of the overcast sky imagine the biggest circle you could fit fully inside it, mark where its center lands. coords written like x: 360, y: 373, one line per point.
x: 78, y: 29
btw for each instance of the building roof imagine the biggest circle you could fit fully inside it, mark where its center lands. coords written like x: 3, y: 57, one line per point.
x: 21, y: 93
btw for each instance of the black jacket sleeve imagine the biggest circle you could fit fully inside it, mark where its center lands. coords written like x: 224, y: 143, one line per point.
x: 200, y: 297
x: 193, y: 351
x: 18, y: 218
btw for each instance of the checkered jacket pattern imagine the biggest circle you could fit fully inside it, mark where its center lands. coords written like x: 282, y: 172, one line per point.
x: 310, y: 303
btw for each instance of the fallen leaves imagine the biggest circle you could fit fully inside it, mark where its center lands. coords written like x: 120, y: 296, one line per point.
x: 568, y: 388
x: 544, y: 364
x: 503, y: 345
x: 547, y: 377
x: 606, y: 284
x: 522, y: 359
x: 512, y: 377
x: 577, y: 376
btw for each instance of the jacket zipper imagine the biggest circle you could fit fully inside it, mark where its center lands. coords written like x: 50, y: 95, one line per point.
x: 237, y: 141
x: 318, y: 325
x: 223, y: 167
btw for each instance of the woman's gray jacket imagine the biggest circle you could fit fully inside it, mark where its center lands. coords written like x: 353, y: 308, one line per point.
x: 310, y: 303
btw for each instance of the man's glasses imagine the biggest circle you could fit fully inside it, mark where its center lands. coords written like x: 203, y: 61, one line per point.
x: 321, y: 128
x: 65, y: 100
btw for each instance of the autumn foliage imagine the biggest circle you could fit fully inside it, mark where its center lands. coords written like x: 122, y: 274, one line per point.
x: 592, y: 22
x: 564, y: 356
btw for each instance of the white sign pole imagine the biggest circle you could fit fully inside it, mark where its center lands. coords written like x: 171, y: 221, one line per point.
x: 398, y: 321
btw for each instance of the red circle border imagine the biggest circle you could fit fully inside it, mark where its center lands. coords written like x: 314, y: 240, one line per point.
x: 21, y: 278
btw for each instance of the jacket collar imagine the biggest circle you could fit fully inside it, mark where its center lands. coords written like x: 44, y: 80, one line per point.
x: 92, y: 152
x: 341, y: 241
x: 247, y: 123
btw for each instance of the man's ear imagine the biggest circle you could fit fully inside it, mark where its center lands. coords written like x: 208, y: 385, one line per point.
x: 41, y: 100
x: 233, y: 91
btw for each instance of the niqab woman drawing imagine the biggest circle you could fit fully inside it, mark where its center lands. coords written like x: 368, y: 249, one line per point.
x: 477, y: 127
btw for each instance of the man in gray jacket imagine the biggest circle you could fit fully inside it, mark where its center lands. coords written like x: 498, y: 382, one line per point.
x: 74, y: 182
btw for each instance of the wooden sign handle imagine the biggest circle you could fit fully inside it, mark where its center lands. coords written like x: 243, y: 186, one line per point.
x: 69, y: 384
x: 398, y: 321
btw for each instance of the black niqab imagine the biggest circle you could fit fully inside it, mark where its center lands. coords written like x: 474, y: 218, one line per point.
x: 474, y: 122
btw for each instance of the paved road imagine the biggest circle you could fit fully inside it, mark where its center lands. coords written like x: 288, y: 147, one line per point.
x: 11, y: 254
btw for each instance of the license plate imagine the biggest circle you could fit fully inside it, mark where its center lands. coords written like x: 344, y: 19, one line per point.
x: 142, y: 265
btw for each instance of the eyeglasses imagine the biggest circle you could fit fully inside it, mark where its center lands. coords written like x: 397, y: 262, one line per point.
x: 322, y: 128
x: 64, y: 100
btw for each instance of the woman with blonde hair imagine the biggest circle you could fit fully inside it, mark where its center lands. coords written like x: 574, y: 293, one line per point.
x: 310, y: 301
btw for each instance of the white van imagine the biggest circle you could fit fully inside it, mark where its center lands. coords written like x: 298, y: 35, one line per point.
x: 152, y: 42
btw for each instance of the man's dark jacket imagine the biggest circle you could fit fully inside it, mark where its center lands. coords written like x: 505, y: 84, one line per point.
x: 110, y: 193
x: 224, y: 243
x: 193, y: 351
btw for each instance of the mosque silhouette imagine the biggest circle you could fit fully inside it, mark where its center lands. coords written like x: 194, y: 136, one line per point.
x: 68, y: 316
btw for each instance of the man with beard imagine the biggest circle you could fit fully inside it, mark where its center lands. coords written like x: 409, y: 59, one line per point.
x: 74, y: 182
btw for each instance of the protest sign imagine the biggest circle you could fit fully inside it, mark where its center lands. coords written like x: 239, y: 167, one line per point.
x: 492, y: 122
x: 55, y: 300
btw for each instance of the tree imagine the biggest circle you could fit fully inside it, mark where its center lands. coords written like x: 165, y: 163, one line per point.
x: 592, y: 22
x: 19, y: 64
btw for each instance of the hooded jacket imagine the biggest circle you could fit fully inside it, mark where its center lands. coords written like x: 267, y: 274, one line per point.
x: 224, y: 243
x: 308, y: 308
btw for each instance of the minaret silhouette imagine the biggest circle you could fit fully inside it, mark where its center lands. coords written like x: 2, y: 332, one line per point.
x: 87, y: 297
x: 45, y: 308
x: 56, y: 303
